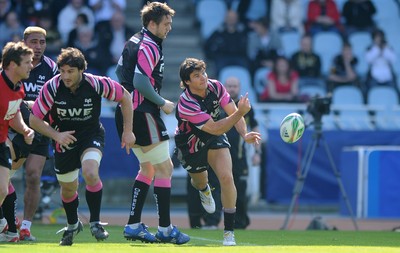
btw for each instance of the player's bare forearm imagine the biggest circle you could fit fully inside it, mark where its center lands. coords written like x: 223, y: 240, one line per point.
x: 127, y: 111
x: 18, y: 124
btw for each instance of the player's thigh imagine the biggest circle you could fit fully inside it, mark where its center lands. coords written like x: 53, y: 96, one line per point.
x: 221, y: 162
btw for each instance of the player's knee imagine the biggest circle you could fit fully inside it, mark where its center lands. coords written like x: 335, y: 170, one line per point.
x: 226, y: 180
x: 33, y: 178
x: 91, y: 176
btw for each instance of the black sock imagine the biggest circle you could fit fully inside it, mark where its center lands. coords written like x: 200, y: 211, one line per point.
x: 139, y: 193
x: 9, y: 208
x: 162, y: 196
x: 71, y: 209
x: 229, y: 221
x: 93, y: 200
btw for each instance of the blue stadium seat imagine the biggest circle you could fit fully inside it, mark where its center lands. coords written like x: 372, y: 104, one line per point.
x: 327, y: 45
x: 384, y: 101
x: 260, y: 80
x: 290, y: 42
x: 210, y: 14
x: 353, y: 114
x: 312, y: 91
x: 360, y: 41
x: 245, y: 79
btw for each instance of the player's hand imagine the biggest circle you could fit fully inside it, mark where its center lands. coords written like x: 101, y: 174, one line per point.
x: 29, y: 134
x: 128, y: 139
x: 244, y: 104
x: 168, y: 107
x: 66, y: 138
x: 252, y: 137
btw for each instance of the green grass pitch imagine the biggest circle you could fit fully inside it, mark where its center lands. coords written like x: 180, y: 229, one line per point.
x: 248, y: 241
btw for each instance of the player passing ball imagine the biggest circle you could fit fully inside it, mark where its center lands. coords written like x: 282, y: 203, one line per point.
x: 200, y: 137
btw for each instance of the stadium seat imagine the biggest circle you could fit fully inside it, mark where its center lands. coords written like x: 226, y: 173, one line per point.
x: 385, y: 102
x: 290, y: 42
x: 312, y: 91
x: 353, y: 114
x: 385, y: 11
x: 210, y: 14
x: 260, y: 80
x: 245, y: 79
x: 327, y: 45
x: 276, y: 115
x: 360, y: 41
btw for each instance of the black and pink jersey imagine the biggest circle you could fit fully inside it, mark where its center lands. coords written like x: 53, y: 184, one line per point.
x: 142, y: 54
x: 39, y: 75
x: 79, y: 111
x: 193, y: 111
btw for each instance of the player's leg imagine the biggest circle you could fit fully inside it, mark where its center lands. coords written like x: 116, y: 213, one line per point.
x: 69, y: 196
x: 33, y: 170
x: 4, y: 178
x: 9, y: 211
x: 135, y: 229
x: 221, y: 162
x: 67, y: 164
x: 90, y: 159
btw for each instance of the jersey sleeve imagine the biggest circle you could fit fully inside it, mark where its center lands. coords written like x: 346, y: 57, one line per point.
x: 148, y: 57
x: 45, y: 100
x: 191, y: 112
x: 106, y: 87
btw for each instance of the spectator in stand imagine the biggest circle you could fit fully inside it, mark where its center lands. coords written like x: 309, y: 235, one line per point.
x: 67, y: 17
x: 53, y: 37
x: 228, y: 45
x: 97, y: 56
x: 251, y: 10
x: 358, y: 15
x: 343, y: 70
x: 5, y: 8
x: 287, y: 16
x: 381, y: 58
x: 113, y: 35
x: 81, y: 20
x: 323, y: 16
x: 282, y: 83
x: 11, y: 27
x: 307, y: 64
x: 31, y: 11
x: 264, y: 45
x: 104, y: 9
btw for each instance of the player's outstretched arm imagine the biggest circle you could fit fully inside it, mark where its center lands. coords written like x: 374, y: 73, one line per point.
x: 63, y: 138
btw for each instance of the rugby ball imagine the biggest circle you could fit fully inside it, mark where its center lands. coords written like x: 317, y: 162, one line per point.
x: 292, y: 128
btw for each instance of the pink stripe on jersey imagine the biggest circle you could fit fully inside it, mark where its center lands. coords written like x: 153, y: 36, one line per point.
x: 95, y: 188
x: 143, y: 178
x: 45, y: 100
x: 112, y: 90
x: 70, y: 199
x: 11, y: 188
x: 162, y: 182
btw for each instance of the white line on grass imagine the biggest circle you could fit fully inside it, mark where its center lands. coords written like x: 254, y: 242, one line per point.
x: 219, y: 241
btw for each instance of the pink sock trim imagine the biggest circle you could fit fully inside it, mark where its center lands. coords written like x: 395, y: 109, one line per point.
x: 95, y: 188
x: 11, y: 188
x: 143, y: 179
x: 162, y: 182
x: 71, y: 199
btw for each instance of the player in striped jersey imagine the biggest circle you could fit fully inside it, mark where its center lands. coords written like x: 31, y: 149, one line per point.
x: 201, y: 140
x: 140, y: 69
x: 73, y: 101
